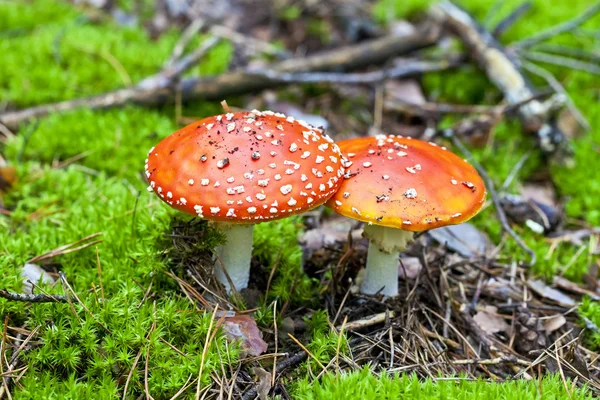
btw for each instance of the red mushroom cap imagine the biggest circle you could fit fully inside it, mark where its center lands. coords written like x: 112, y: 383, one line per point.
x: 245, y: 167
x: 406, y: 183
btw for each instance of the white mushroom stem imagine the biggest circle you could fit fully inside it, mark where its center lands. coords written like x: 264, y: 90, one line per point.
x: 382, y: 260
x: 235, y: 255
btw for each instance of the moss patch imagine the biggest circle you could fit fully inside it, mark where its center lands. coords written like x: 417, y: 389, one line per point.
x: 364, y: 385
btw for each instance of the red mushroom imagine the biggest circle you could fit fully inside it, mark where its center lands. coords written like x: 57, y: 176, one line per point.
x: 239, y: 169
x: 399, y: 186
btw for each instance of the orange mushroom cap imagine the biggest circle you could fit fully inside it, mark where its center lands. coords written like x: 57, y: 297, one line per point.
x: 406, y: 183
x: 245, y: 167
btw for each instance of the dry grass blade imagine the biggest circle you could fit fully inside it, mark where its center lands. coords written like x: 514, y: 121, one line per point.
x: 68, y: 248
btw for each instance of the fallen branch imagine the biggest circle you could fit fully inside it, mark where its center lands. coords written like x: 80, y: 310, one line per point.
x: 406, y: 68
x: 449, y: 133
x: 503, y: 72
x: 561, y: 28
x: 33, y: 298
x: 156, y: 90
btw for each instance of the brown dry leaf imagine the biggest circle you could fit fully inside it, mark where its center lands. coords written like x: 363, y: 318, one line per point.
x: 490, y: 322
x: 574, y: 288
x: 406, y: 91
x: 546, y: 291
x: 264, y: 383
x: 8, y: 177
x: 554, y: 323
x: 243, y: 328
x: 464, y: 239
x: 541, y: 192
x: 409, y: 267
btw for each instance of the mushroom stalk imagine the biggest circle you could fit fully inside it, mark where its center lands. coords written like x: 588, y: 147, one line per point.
x: 235, y: 255
x: 382, y: 260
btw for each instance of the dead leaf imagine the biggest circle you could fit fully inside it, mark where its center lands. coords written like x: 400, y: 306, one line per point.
x: 264, y: 383
x: 490, y: 322
x: 546, y: 291
x: 244, y: 329
x: 573, y: 287
x: 554, y: 323
x: 406, y: 91
x: 33, y: 273
x: 330, y: 232
x: 8, y: 177
x: 464, y: 239
x: 409, y: 267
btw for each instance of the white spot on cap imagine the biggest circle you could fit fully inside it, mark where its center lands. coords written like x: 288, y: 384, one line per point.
x: 305, y: 155
x: 303, y: 178
x: 251, y: 210
x: 277, y: 177
x: 338, y: 203
x: 410, y: 193
x: 203, y: 182
x: 285, y: 189
x: 230, y: 179
x: 231, y: 212
x: 198, y: 210
x: 261, y: 196
x: 215, y: 210
x: 263, y: 182
x: 230, y: 127
x: 346, y: 195
x: 292, y: 202
x: 454, y: 182
x: 273, y: 210
x: 386, y: 177
x: 169, y: 195
x: 191, y: 182
x: 293, y: 147
x: 320, y: 159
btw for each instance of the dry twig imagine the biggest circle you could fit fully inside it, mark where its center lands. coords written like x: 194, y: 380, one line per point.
x: 156, y: 89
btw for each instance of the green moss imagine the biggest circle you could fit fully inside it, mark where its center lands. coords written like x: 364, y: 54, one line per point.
x: 590, y: 309
x: 75, y: 60
x: 19, y: 17
x: 100, y: 346
x: 364, y: 384
x: 114, y: 141
x: 385, y: 11
x: 276, y: 245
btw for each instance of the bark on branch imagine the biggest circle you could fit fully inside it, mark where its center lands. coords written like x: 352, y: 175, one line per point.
x: 157, y: 90
x: 504, y: 72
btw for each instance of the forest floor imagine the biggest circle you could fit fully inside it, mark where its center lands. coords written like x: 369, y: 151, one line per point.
x: 127, y: 304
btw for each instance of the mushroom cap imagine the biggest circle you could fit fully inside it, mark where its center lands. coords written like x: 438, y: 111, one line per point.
x: 245, y: 167
x: 406, y: 183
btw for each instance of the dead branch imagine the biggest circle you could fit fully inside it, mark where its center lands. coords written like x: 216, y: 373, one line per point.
x: 156, y: 90
x: 449, y: 133
x: 513, y: 17
x: 561, y: 28
x: 33, y: 298
x: 503, y: 72
x: 406, y: 68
